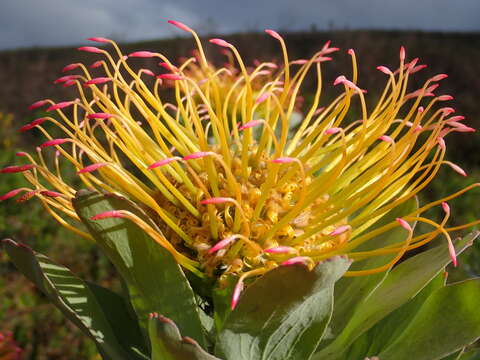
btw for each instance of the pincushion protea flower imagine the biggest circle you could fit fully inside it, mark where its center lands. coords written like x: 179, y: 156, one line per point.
x: 233, y: 189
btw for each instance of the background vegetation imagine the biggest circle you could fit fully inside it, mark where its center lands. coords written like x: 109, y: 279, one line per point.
x: 27, y: 75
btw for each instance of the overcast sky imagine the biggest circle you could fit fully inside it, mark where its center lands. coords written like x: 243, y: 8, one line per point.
x: 25, y: 23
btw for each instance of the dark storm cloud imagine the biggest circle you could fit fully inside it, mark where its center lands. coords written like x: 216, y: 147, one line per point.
x: 64, y: 22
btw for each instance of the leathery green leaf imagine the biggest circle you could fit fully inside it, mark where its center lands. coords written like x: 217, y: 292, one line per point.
x: 283, y: 314
x: 101, y: 314
x: 156, y: 283
x: 168, y: 344
x: 448, y: 320
x: 401, y: 284
x: 373, y: 341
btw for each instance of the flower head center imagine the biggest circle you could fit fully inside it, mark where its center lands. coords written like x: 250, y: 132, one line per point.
x: 245, y: 241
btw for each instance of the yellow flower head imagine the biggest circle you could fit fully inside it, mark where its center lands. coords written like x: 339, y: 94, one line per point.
x: 232, y: 187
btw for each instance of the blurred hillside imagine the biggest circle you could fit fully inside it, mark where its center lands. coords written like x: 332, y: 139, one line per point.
x: 27, y: 75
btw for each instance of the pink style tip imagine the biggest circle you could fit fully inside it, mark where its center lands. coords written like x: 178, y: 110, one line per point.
x: 263, y: 72
x: 147, y: 72
x: 347, y: 83
x: 402, y: 53
x: 446, y: 207
x: 270, y: 65
x: 142, y: 54
x: 180, y: 25
x: 385, y: 70
x: 236, y: 294
x: 404, y: 224
x: 90, y: 168
x: 99, y: 39
x: 69, y: 83
x: 408, y: 124
x: 321, y: 59
x: 439, y: 77
x: 170, y: 77
x: 447, y: 110
x: 97, y: 81
x: 456, y: 118
x: 444, y: 132
x: 197, y: 155
x: 11, y: 194
x: 459, y: 127
x: 220, y: 42
x: 340, y: 79
x: 432, y: 88
x: 70, y: 67
x: 297, y: 260
x: 222, y: 244
x: 299, y: 62
x: 164, y: 162
x: 453, y: 254
x: 351, y: 85
x: 31, y: 125
x: 90, y: 49
x: 333, y: 130
x: 262, y: 98
x: 54, y: 142
x: 279, y: 250
x: 284, y: 160
x: 96, y: 64
x: 414, y: 62
x: 250, y: 124
x: 37, y: 104
x: 340, y: 230
x: 108, y: 215
x: 457, y: 168
x: 351, y: 52
x: 441, y: 143
x: 167, y: 66
x: 99, y: 116
x: 60, y: 105
x: 16, y: 169
x: 273, y: 34
x: 216, y: 200
x: 386, y: 138
x: 50, y: 193
x: 416, y: 69
x: 445, y: 98
x: 27, y: 196
x: 330, y: 50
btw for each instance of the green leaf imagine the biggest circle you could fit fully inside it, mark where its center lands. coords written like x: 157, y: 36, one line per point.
x: 99, y: 313
x: 168, y: 344
x: 283, y: 314
x: 448, y: 321
x: 388, y: 329
x: 350, y: 291
x: 400, y: 285
x: 156, y: 283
